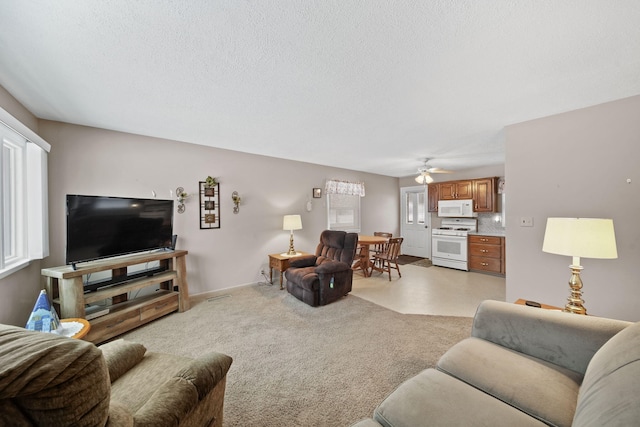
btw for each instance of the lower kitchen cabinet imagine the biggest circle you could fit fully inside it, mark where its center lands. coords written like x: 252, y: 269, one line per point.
x: 486, y: 254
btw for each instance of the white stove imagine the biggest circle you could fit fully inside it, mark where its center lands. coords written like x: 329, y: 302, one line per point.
x: 449, y: 242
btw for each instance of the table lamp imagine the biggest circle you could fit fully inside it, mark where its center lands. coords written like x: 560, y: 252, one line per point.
x: 291, y: 222
x: 579, y: 237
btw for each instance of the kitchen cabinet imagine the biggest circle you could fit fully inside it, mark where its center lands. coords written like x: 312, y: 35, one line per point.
x: 452, y: 190
x: 487, y: 254
x: 483, y: 192
x: 484, y: 195
x: 433, y: 197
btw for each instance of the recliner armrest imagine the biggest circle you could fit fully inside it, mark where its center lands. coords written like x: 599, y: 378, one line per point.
x: 304, y: 261
x: 331, y: 267
x: 565, y: 339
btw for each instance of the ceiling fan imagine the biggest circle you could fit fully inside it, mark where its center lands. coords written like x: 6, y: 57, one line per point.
x: 425, y: 172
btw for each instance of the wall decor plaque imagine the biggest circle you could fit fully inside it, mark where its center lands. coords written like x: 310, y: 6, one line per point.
x: 209, y: 206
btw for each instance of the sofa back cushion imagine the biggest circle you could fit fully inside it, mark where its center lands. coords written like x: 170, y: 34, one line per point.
x: 121, y: 356
x: 610, y: 391
x: 47, y: 379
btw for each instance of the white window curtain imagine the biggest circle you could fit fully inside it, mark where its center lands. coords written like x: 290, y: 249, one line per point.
x: 345, y: 188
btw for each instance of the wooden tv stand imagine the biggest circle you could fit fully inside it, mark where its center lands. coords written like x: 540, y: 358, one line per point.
x: 65, y: 286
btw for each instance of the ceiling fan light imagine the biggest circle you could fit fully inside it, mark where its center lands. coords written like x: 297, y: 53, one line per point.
x: 424, y: 178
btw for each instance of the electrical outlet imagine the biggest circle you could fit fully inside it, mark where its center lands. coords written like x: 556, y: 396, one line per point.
x: 262, y: 271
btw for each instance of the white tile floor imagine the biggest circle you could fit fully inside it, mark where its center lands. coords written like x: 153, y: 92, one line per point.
x: 433, y: 290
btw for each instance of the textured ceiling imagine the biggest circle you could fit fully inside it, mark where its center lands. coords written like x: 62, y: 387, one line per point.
x: 366, y: 85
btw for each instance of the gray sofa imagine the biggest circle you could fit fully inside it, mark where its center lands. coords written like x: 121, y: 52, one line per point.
x: 525, y: 366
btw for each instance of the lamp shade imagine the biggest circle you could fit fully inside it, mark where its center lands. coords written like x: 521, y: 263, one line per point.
x: 292, y: 222
x: 580, y: 237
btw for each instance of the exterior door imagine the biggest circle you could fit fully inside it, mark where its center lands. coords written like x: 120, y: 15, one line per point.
x: 415, y: 222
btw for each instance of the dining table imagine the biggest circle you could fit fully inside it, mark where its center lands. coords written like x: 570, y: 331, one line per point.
x: 364, y: 243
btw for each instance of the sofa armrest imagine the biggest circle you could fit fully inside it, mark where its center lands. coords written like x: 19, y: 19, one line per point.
x: 332, y: 267
x: 303, y: 261
x: 565, y: 339
x: 206, y: 372
x: 179, y: 395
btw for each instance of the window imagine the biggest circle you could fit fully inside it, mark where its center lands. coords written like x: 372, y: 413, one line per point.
x: 415, y: 208
x: 13, y: 209
x: 344, y: 212
x: 343, y: 205
x: 23, y: 196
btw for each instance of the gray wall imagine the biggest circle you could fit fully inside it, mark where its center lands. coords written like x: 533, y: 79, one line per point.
x: 575, y: 164
x: 86, y: 160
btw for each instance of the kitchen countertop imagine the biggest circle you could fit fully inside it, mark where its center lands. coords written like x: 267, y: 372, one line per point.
x: 490, y: 234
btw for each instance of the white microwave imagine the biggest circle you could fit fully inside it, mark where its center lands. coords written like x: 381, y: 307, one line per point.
x: 456, y: 208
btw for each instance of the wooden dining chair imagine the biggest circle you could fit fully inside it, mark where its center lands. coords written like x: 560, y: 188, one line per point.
x: 386, y: 260
x: 379, y: 247
x: 358, y: 261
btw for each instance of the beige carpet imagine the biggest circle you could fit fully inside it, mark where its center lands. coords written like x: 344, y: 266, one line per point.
x: 296, y: 365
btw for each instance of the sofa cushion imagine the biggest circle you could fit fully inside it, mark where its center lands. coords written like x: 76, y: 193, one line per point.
x: 433, y: 398
x: 611, y: 386
x: 536, y: 387
x: 121, y: 356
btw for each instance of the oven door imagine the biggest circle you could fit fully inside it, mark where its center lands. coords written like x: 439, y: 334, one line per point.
x: 450, y: 251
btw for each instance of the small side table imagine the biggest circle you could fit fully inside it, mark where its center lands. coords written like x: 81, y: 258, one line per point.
x: 522, y: 301
x: 281, y: 263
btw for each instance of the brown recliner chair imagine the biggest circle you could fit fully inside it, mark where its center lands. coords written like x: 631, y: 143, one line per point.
x: 326, y: 276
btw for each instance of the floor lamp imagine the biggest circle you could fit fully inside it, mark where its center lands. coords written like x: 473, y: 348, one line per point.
x: 579, y: 237
x: 291, y: 222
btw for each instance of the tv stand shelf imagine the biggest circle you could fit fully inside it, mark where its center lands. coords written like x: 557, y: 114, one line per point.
x: 65, y: 285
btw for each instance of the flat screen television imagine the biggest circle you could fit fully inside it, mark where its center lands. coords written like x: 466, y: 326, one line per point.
x: 101, y: 227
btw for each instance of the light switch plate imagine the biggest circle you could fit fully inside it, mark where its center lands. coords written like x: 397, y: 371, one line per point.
x: 526, y: 221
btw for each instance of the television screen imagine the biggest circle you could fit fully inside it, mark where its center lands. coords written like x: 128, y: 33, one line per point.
x: 100, y: 227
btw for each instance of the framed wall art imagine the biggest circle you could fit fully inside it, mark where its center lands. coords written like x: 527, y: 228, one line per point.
x: 317, y: 193
x: 209, y: 206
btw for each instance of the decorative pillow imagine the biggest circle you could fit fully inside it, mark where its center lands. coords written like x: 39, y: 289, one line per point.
x: 121, y: 356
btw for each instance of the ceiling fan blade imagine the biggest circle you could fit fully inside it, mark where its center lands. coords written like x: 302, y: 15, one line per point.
x: 438, y: 170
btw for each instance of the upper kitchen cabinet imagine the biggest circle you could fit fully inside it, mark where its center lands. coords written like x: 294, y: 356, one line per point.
x: 483, y: 191
x: 455, y: 190
x: 433, y: 197
x: 484, y: 195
